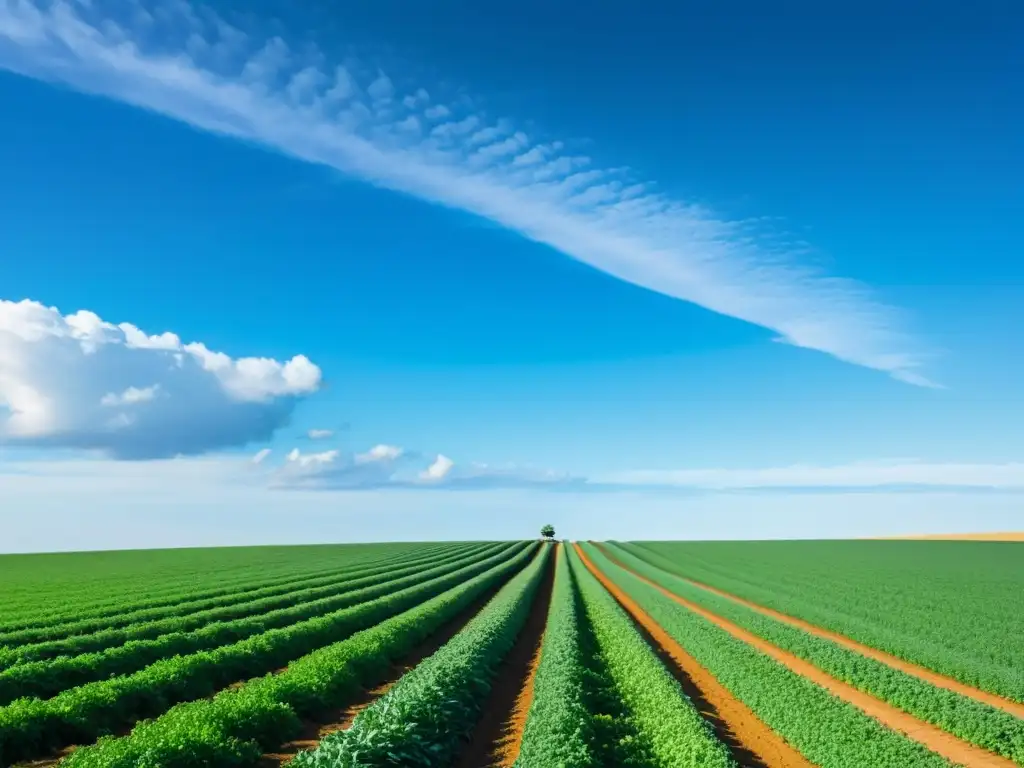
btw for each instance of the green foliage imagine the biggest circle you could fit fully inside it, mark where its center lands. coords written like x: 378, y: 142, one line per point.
x: 236, y: 726
x: 672, y: 730
x: 423, y: 719
x: 956, y: 607
x: 31, y: 727
x: 978, y: 723
x: 176, y: 635
x: 828, y: 731
x: 48, y: 678
x: 548, y: 531
x: 232, y: 603
x: 39, y: 590
x: 558, y: 727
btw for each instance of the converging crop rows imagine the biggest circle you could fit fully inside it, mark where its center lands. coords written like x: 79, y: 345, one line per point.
x: 531, y: 654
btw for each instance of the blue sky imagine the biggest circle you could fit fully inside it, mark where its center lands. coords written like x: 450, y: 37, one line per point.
x: 531, y: 257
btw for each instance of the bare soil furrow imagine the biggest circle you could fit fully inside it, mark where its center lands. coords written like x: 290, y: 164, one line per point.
x: 938, y: 741
x: 496, y: 740
x: 1014, y: 708
x: 331, y: 721
x: 753, y: 744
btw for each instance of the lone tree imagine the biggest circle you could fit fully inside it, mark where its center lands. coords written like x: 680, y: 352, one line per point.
x: 548, y: 531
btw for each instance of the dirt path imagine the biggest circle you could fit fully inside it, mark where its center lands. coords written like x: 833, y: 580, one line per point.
x: 496, y: 739
x: 752, y: 742
x: 935, y: 739
x: 923, y: 673
x: 334, y: 720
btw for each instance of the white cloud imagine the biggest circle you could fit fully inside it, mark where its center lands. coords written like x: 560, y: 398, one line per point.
x: 320, y: 434
x: 534, y: 155
x: 380, y: 453
x: 626, y: 230
x: 388, y: 466
x: 509, y: 146
x: 214, y: 501
x: 76, y: 381
x: 130, y: 396
x: 261, y: 456
x: 334, y: 470
x: 487, y: 135
x: 440, y: 467
x: 867, y: 474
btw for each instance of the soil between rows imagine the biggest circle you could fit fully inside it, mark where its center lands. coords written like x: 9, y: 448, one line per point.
x: 339, y: 719
x: 752, y: 743
x: 945, y: 744
x: 496, y: 740
x: 313, y: 731
x: 922, y: 673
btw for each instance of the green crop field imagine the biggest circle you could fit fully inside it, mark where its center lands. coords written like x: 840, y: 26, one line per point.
x: 533, y: 654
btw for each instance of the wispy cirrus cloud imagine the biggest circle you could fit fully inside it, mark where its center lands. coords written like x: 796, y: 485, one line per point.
x: 185, y: 62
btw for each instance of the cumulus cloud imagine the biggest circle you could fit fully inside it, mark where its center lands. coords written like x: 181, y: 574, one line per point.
x: 198, y: 69
x: 334, y: 470
x: 438, y: 469
x: 77, y: 381
x: 388, y: 466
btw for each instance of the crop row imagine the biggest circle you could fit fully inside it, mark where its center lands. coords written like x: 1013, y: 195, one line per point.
x: 558, y: 729
x: 67, y: 599
x: 47, y: 678
x: 229, y: 601
x: 311, y: 600
x: 32, y: 727
x: 961, y: 716
x: 185, y: 600
x: 954, y: 607
x: 236, y: 726
x: 829, y: 732
x: 426, y: 716
x: 670, y: 726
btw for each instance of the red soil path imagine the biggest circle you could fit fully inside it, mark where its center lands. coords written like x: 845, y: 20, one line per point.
x: 935, y: 739
x: 1014, y: 708
x: 755, y: 738
x: 496, y: 740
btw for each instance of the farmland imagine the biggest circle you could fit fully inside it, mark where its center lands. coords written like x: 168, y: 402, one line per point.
x: 524, y: 654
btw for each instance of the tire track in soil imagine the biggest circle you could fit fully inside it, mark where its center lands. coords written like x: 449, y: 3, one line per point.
x: 752, y: 743
x: 495, y: 741
x: 929, y: 736
x: 1009, y: 706
x: 314, y: 730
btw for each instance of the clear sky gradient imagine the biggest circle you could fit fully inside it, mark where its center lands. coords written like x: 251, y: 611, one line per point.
x: 539, y: 258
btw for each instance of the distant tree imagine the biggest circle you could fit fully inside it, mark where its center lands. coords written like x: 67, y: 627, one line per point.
x: 548, y: 531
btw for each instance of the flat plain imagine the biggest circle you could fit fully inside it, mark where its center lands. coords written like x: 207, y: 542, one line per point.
x: 533, y: 654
